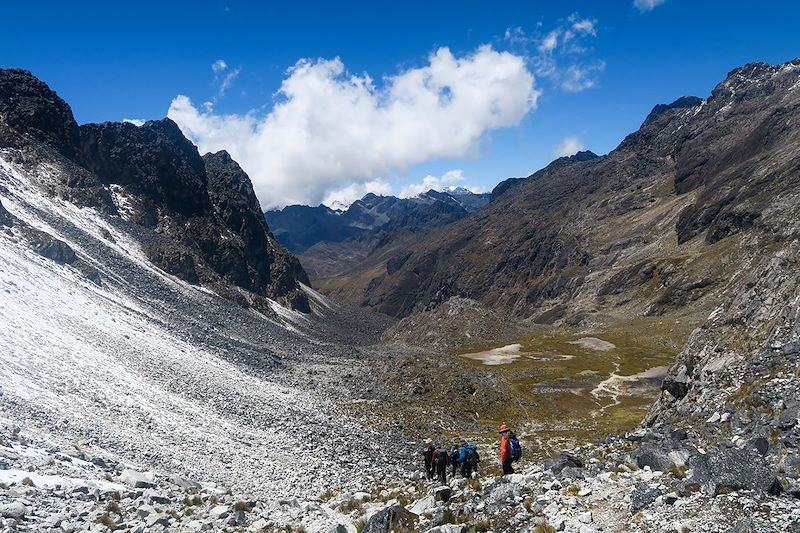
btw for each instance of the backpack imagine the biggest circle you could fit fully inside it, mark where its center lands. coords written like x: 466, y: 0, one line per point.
x: 471, y: 454
x: 442, y: 458
x: 514, y: 449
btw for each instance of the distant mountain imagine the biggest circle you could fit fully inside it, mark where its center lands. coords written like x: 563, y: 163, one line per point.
x: 299, y: 227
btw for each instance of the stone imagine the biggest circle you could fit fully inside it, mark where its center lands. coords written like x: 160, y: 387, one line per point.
x: 390, y: 518
x: 422, y: 505
x: 671, y: 498
x: 585, y: 491
x: 13, y: 510
x: 138, y: 480
x: 442, y: 493
x: 157, y: 519
x: 220, y: 511
x: 585, y: 517
x: 362, y: 496
x: 563, y: 460
x: 186, y: 484
x: 652, y: 456
x: 642, y: 496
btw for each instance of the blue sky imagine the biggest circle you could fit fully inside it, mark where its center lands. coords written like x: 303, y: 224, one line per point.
x: 611, y: 62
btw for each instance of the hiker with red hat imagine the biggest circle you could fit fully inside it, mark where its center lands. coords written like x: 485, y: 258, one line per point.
x: 505, y: 449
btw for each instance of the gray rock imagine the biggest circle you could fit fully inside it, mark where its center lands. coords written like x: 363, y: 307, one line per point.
x: 157, y: 519
x: 138, y: 480
x: 642, y: 496
x: 13, y: 510
x: 654, y: 457
x: 390, y: 518
x: 186, y: 484
x: 442, y: 493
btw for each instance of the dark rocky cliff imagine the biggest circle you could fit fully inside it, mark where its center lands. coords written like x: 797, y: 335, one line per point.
x: 200, y: 217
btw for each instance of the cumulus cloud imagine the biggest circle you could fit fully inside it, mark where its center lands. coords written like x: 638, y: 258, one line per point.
x: 446, y: 181
x: 647, y: 5
x: 342, y: 198
x: 563, y: 54
x: 569, y: 146
x: 330, y: 127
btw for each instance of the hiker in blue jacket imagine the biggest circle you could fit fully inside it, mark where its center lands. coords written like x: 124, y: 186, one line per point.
x: 468, y: 458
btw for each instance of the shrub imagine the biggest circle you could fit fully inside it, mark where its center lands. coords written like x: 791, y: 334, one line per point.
x: 544, y: 527
x: 28, y: 482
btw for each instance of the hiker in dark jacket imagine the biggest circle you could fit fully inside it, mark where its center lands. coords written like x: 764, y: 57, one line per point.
x: 454, y: 453
x: 468, y: 458
x: 442, y: 462
x: 427, y: 458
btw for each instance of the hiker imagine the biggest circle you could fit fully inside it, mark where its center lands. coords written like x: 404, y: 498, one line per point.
x: 468, y: 458
x: 505, y: 449
x: 442, y: 462
x: 454, y: 453
x: 427, y: 457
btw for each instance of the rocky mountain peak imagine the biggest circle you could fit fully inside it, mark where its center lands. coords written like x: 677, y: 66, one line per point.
x: 683, y: 102
x: 30, y: 107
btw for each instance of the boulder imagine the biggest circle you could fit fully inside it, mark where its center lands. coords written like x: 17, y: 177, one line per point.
x: 653, y: 456
x: 186, y: 484
x: 642, y: 496
x: 389, y: 519
x: 561, y: 461
x: 730, y: 469
x: 422, y: 505
x: 138, y: 480
x: 442, y: 493
x: 13, y: 510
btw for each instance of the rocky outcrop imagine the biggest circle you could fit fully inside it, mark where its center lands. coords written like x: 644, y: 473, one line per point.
x: 202, y: 220
x: 29, y: 106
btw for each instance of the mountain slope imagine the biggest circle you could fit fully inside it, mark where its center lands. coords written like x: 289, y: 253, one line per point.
x: 657, y: 226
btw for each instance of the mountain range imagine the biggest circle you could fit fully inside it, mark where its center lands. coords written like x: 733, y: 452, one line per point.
x: 328, y: 241
x: 634, y: 316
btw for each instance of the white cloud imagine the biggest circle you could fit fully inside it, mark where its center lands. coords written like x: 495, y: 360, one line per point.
x: 219, y: 65
x: 562, y: 55
x: 449, y: 178
x: 578, y: 78
x: 341, y: 198
x: 330, y: 127
x: 227, y: 81
x: 549, y: 43
x: 647, y: 5
x: 134, y: 121
x: 569, y: 146
x: 585, y: 26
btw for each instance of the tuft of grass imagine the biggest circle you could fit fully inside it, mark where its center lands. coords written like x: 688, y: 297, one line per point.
x: 544, y: 527
x: 571, y: 490
x: 28, y: 482
x: 360, y: 524
x: 678, y: 472
x: 114, y: 507
x: 349, y: 506
x: 327, y: 495
x: 481, y: 527
x: 241, y: 506
x: 107, y: 521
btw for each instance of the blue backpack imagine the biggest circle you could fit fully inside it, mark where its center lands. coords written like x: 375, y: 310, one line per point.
x: 515, y: 449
